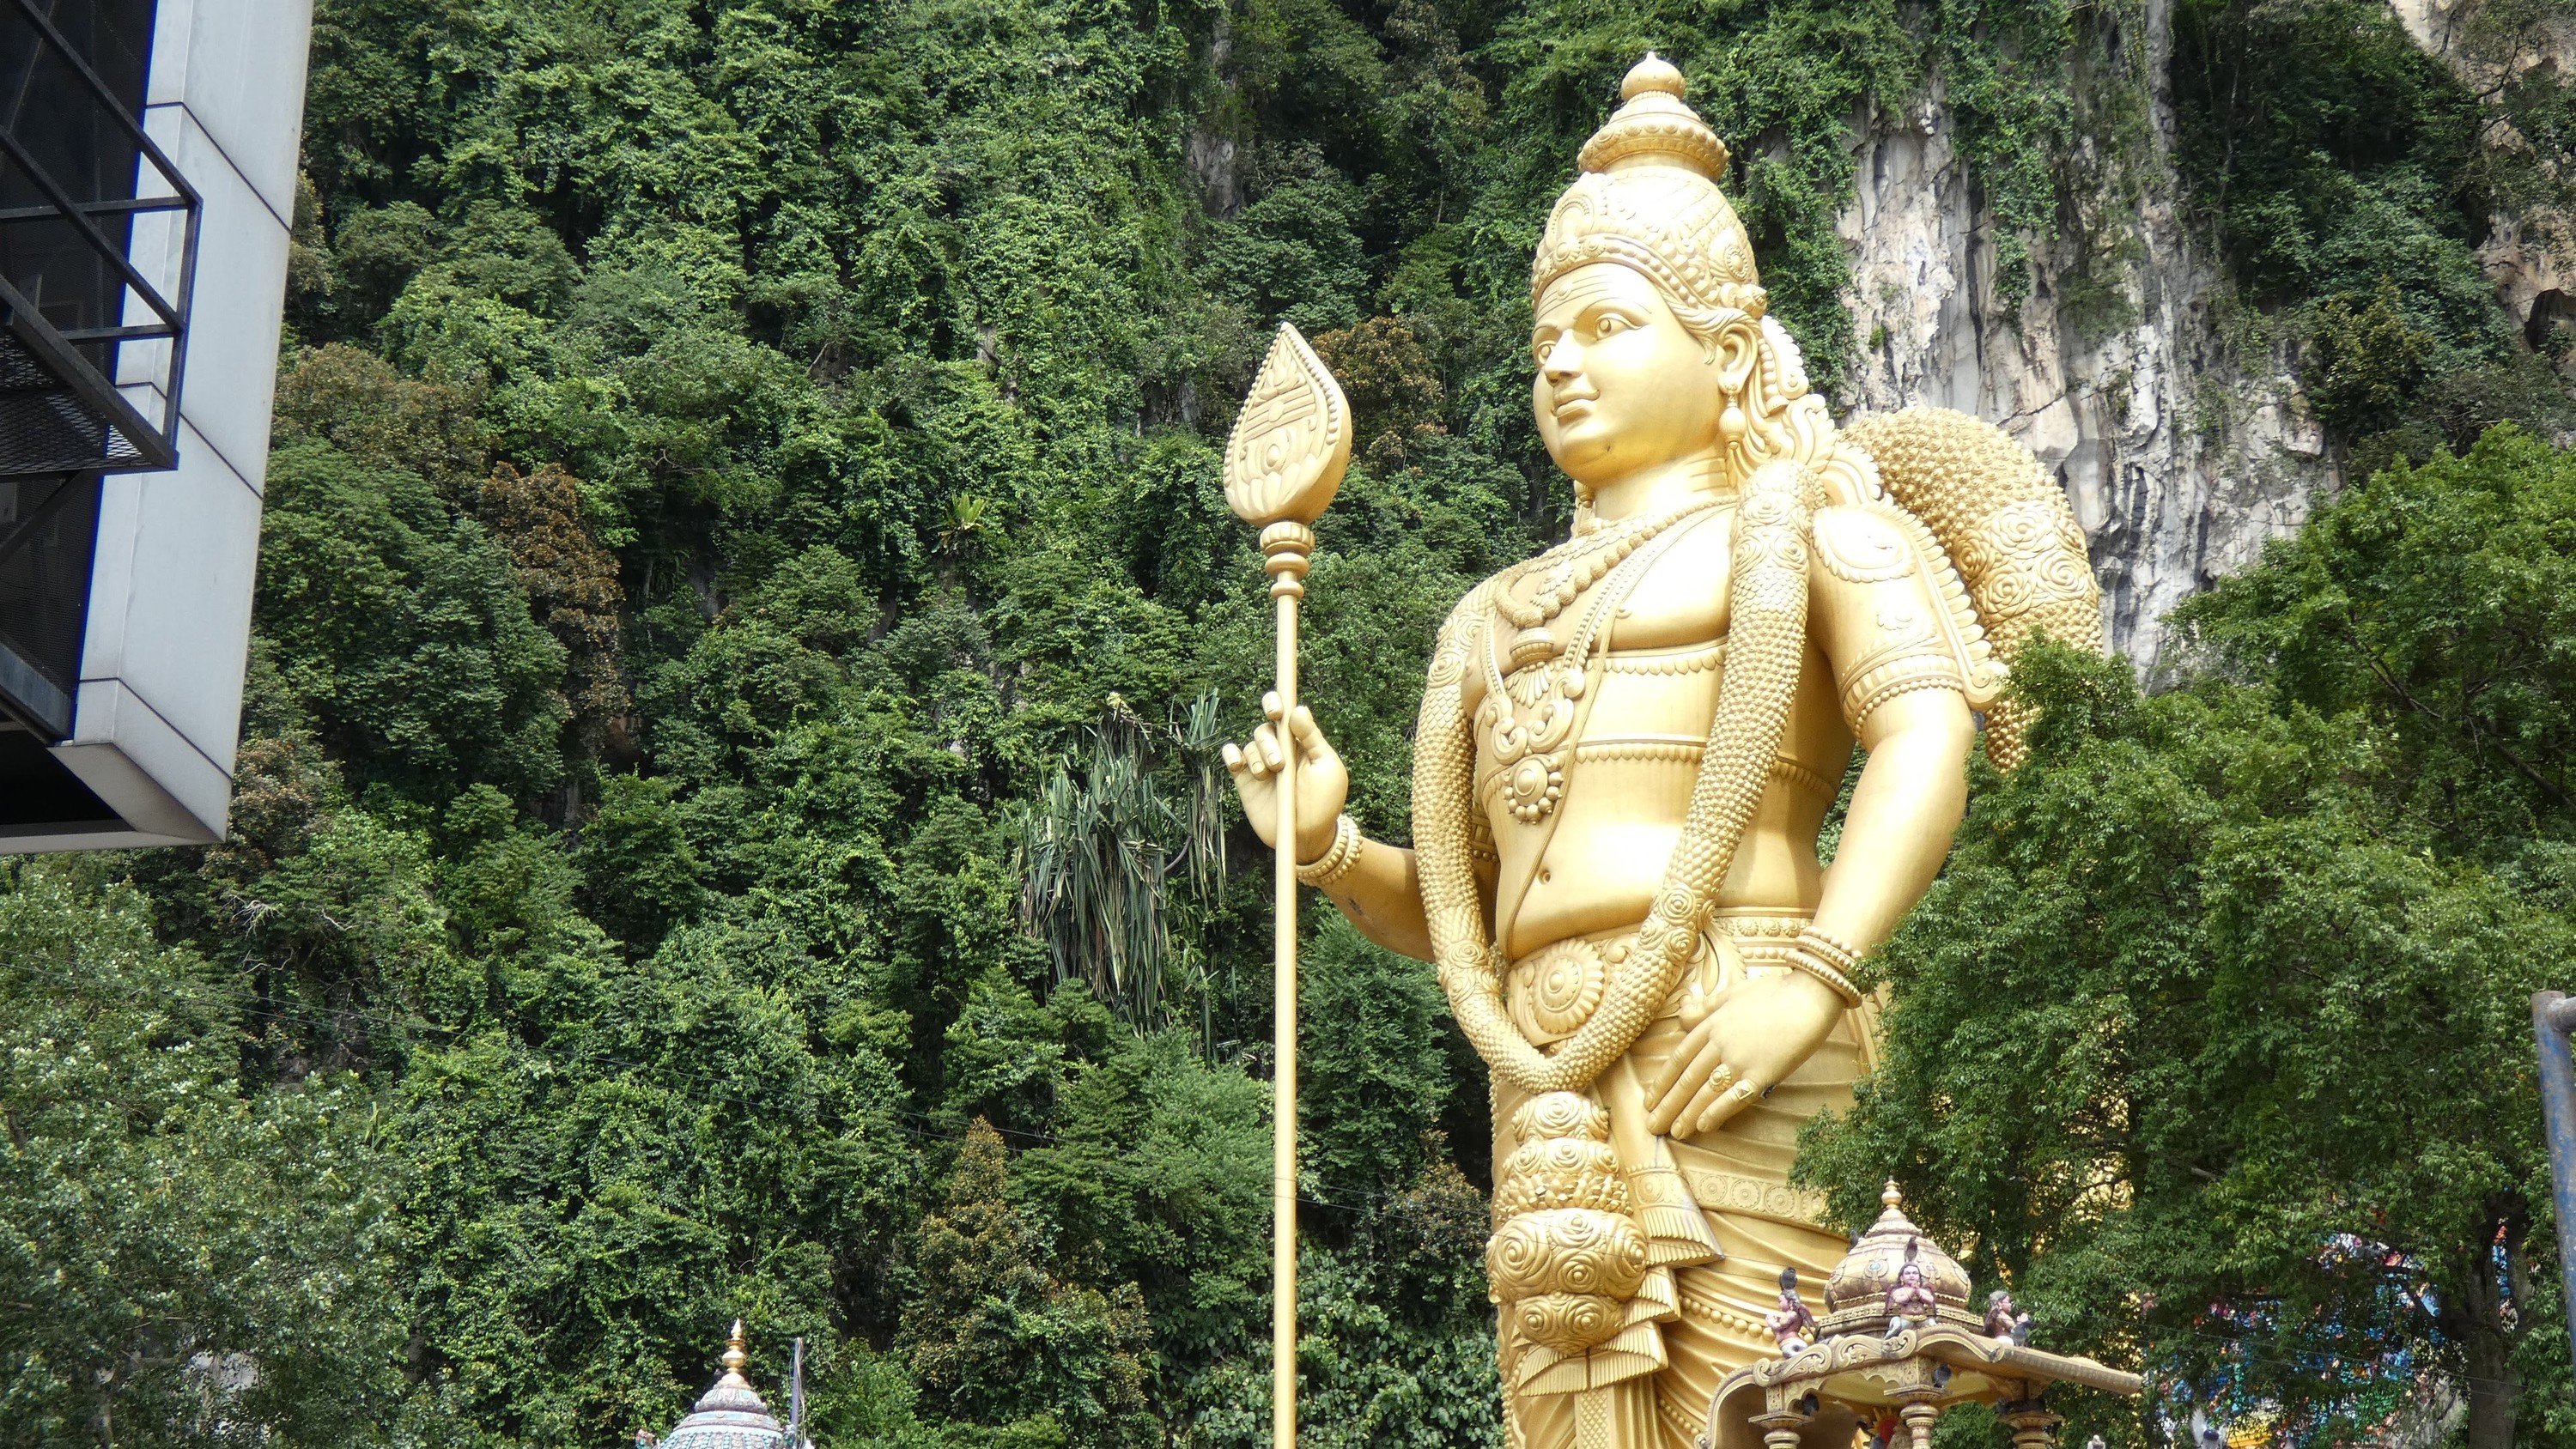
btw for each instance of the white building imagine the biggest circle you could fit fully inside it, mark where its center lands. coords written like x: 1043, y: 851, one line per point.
x: 147, y: 187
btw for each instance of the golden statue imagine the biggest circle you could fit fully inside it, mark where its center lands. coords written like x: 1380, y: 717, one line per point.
x: 1626, y: 749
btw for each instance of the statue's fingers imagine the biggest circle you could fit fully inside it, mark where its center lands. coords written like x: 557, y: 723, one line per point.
x: 1660, y: 1085
x: 1235, y: 764
x: 1710, y: 1093
x: 1266, y: 740
x: 1311, y: 745
x: 1744, y: 1095
x: 1692, y: 1067
x: 1270, y: 705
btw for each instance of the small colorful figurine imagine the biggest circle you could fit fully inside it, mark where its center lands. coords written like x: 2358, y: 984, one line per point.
x: 2002, y: 1321
x: 1790, y: 1323
x: 1910, y: 1303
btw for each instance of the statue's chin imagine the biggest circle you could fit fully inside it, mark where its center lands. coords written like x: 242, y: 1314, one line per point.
x: 1581, y: 454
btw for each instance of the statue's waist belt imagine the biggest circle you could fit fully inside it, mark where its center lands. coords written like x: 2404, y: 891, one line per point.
x: 1553, y: 990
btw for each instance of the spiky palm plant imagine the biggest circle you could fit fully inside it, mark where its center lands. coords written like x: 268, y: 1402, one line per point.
x: 1098, y: 855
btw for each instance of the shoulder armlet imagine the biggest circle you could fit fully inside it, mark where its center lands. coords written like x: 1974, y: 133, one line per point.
x: 1876, y: 542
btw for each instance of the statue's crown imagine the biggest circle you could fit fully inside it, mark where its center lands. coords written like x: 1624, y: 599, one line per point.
x: 1648, y: 198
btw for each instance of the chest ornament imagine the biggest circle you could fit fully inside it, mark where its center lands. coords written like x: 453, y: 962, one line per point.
x: 1532, y: 701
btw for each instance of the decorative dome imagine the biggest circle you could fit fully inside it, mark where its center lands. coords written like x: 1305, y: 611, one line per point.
x: 1856, y: 1294
x: 731, y: 1416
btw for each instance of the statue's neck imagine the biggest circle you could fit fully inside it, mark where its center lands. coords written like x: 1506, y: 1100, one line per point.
x: 1660, y: 487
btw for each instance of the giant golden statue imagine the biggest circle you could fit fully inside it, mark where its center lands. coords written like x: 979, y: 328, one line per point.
x: 1627, y: 747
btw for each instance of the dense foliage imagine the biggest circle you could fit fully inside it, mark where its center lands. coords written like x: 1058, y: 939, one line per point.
x: 2350, y: 176
x: 725, y: 823
x: 2276, y: 933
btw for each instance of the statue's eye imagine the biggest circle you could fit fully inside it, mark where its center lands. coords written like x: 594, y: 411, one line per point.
x: 1610, y: 326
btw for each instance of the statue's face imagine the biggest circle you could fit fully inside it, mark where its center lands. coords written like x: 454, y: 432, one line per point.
x: 1621, y: 384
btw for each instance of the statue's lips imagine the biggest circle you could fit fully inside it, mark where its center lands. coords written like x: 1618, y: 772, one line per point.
x: 1574, y: 409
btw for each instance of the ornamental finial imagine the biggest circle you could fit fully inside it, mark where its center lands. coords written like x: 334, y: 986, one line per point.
x: 1889, y: 1195
x: 1654, y: 73
x: 734, y: 1358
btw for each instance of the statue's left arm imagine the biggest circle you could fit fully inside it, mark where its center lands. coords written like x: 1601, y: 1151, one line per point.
x: 1882, y: 621
x: 1879, y: 614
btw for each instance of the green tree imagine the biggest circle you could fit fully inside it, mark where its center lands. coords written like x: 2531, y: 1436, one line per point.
x: 181, y: 1262
x: 995, y: 1339
x: 401, y: 631
x: 2274, y: 936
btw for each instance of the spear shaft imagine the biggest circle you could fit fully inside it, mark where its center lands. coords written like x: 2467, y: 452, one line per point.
x: 1285, y: 546
x: 1285, y: 459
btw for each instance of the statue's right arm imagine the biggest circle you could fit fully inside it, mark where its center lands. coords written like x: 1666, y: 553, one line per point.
x: 1381, y: 892
x: 1383, y: 897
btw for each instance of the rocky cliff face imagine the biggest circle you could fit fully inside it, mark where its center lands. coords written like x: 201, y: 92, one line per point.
x: 2182, y: 443
x: 2180, y: 453
x: 2529, y: 255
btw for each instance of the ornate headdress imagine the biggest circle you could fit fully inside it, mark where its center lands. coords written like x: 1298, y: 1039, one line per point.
x: 1648, y: 199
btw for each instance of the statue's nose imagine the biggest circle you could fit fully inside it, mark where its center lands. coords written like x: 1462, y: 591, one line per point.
x: 1563, y: 360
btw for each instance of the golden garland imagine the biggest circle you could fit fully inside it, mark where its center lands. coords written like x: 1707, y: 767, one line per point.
x: 1766, y: 644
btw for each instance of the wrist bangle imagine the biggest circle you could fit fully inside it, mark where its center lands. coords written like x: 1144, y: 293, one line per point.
x: 1829, y: 961
x: 1337, y: 859
x: 1835, y: 953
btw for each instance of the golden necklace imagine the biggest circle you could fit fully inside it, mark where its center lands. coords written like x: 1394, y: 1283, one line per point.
x: 1579, y: 563
x: 1528, y: 712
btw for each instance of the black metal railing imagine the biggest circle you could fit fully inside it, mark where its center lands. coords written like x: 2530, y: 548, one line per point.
x: 76, y: 172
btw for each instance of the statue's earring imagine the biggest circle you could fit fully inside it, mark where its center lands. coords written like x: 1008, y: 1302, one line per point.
x: 1731, y: 424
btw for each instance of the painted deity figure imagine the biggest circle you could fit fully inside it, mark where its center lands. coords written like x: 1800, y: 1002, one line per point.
x: 2003, y: 1320
x: 1792, y: 1323
x: 1910, y: 1301
x: 1626, y: 748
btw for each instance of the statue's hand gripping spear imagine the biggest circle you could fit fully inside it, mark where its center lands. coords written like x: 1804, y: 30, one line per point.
x: 1290, y: 445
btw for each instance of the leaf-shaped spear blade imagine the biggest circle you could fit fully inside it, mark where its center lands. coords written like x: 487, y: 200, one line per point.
x: 1292, y: 440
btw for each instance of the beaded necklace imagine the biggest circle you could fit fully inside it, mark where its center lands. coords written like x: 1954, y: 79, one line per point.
x: 1579, y: 563
x: 1528, y: 711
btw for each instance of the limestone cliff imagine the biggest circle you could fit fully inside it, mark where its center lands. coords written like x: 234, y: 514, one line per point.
x: 2530, y: 254
x: 2184, y: 442
x: 2180, y: 454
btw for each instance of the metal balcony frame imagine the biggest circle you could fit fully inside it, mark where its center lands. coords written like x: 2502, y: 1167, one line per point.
x: 155, y: 448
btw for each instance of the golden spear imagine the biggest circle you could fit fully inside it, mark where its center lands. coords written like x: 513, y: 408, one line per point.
x: 1282, y: 465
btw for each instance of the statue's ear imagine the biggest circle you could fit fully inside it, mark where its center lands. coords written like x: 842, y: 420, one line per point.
x: 1734, y: 351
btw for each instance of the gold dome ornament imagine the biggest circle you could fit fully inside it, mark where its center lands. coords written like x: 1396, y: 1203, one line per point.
x: 1856, y: 1294
x: 730, y: 1415
x: 1872, y: 1364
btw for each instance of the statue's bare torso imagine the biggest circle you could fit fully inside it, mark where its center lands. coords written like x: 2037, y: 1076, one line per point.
x: 1594, y: 866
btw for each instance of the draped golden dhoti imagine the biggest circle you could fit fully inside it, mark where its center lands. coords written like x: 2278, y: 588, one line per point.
x: 1738, y: 1176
